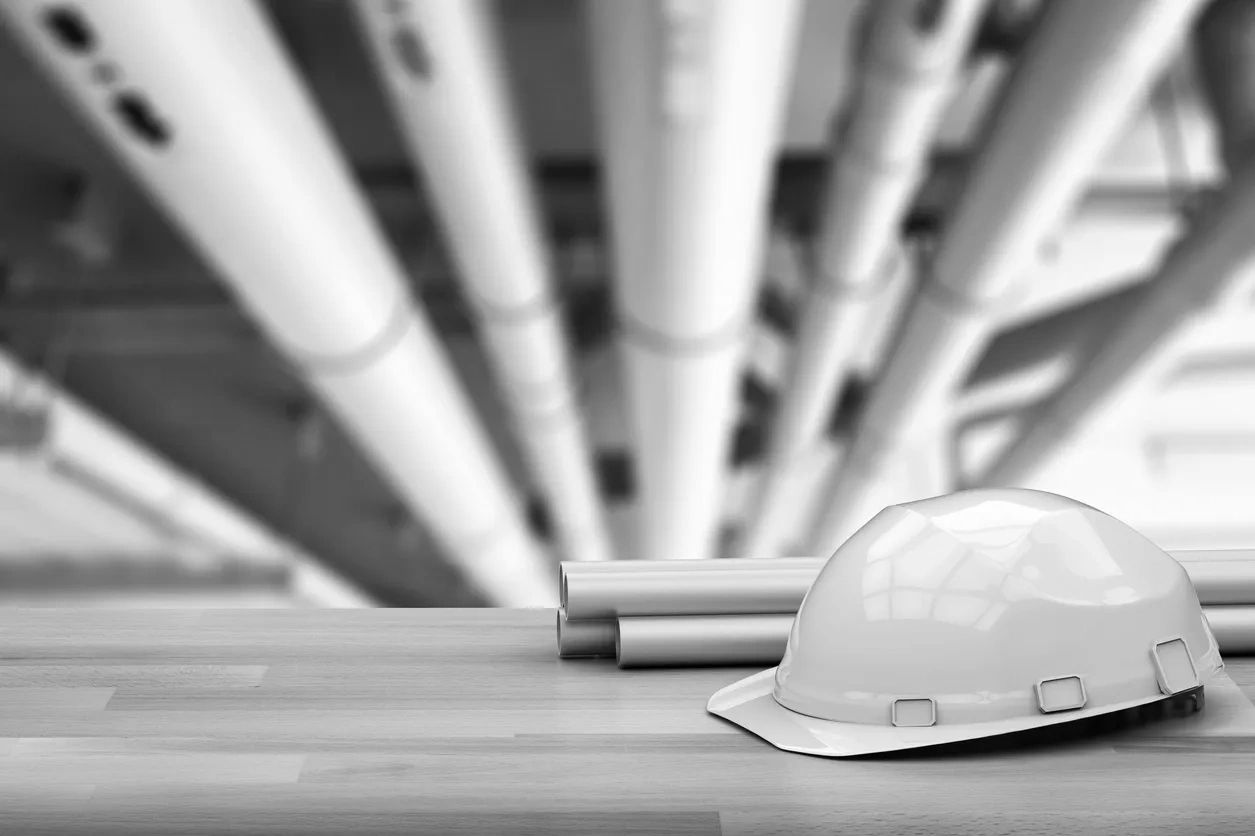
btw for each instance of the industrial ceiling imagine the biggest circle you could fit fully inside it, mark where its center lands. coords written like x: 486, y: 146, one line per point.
x: 612, y: 220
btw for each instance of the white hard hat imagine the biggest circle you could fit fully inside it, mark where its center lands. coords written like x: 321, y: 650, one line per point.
x: 976, y: 614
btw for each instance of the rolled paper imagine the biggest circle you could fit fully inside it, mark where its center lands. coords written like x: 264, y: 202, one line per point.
x: 693, y: 640
x: 1234, y: 627
x: 607, y: 590
x: 586, y: 639
x: 1221, y: 577
x: 700, y: 640
x: 696, y: 587
x: 736, y: 564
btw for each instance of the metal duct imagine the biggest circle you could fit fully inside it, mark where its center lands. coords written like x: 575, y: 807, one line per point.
x: 910, y: 59
x: 691, y: 94
x: 200, y: 103
x: 1194, y: 273
x: 1086, y: 68
x: 440, y: 62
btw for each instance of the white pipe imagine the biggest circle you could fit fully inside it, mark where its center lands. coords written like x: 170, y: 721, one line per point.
x: 1086, y: 68
x: 908, y: 69
x: 441, y: 64
x: 249, y: 173
x: 183, y: 514
x: 691, y: 94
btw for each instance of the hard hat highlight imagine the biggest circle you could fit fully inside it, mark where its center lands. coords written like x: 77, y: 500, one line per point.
x: 976, y: 614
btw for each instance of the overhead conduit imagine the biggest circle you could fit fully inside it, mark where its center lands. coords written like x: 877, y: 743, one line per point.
x: 441, y: 64
x: 913, y: 52
x: 1083, y: 71
x: 1194, y: 273
x: 691, y: 94
x: 74, y: 443
x: 200, y: 103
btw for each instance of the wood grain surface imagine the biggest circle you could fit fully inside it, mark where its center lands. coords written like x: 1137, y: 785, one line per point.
x: 466, y: 722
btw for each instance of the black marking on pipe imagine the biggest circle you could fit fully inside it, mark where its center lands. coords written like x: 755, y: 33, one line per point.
x: 70, y: 28
x: 412, y: 53
x: 138, y: 116
x: 848, y: 405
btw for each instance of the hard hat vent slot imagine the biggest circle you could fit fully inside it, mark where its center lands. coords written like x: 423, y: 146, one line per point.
x: 1063, y: 693
x: 1174, y: 669
x: 914, y: 712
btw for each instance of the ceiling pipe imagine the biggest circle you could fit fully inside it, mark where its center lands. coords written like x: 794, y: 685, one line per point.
x: 1083, y: 72
x: 441, y: 64
x: 202, y: 106
x: 1195, y: 272
x: 75, y: 443
x: 1029, y: 361
x: 909, y: 61
x: 691, y: 95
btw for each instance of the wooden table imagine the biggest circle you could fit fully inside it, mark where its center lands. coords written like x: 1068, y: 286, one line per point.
x: 464, y: 721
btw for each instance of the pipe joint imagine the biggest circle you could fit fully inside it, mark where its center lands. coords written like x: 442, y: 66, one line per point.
x: 555, y: 412
x: 388, y: 337
x: 971, y: 305
x: 841, y: 289
x: 873, y: 162
x: 544, y: 304
x: 658, y: 341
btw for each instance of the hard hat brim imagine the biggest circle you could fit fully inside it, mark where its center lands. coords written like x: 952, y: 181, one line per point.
x: 751, y: 705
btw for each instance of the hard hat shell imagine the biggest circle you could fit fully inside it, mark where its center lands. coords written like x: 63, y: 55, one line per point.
x: 975, y: 614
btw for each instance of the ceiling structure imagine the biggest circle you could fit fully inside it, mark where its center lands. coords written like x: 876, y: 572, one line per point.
x: 105, y: 294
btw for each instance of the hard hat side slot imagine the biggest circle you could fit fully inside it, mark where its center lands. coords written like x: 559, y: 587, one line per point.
x: 1062, y: 693
x: 914, y: 712
x: 1174, y: 669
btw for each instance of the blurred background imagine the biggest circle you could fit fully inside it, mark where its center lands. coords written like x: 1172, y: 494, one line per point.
x: 400, y: 302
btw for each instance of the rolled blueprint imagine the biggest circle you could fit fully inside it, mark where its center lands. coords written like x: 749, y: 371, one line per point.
x: 1221, y: 577
x: 1234, y: 627
x: 692, y: 640
x: 738, y: 564
x: 696, y: 640
x: 585, y: 639
x: 606, y: 590
x: 685, y: 587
